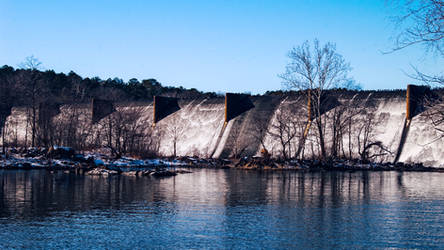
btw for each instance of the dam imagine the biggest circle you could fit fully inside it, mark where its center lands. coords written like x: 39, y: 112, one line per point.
x: 381, y: 126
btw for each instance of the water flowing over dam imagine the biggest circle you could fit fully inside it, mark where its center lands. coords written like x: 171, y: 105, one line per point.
x: 382, y: 126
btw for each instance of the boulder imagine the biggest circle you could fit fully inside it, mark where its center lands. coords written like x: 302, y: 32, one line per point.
x: 56, y: 152
x: 146, y: 172
x: 163, y: 173
x: 130, y: 173
x: 102, y: 172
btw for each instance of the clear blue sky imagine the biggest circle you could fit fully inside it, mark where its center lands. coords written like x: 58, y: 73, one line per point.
x: 212, y: 45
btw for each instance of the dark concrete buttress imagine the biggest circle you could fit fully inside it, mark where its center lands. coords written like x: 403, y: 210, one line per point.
x: 100, y: 109
x: 415, y: 100
x: 236, y: 104
x: 163, y: 107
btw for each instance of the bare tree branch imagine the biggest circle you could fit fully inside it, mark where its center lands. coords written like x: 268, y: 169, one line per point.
x: 422, y: 23
x: 314, y: 70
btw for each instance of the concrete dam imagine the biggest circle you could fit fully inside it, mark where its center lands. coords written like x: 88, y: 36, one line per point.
x: 382, y: 126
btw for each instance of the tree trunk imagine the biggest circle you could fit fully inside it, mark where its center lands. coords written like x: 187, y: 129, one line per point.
x: 33, y: 125
x: 3, y: 139
x: 321, y: 137
x: 109, y: 132
x: 174, y: 148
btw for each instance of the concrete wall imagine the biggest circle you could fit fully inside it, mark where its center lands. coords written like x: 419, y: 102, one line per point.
x: 200, y: 127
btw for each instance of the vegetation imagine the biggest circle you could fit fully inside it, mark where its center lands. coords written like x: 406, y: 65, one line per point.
x: 422, y: 23
x: 30, y: 86
x: 37, y: 90
x: 313, y: 70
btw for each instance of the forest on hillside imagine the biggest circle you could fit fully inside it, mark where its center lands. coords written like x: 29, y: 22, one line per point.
x: 26, y: 87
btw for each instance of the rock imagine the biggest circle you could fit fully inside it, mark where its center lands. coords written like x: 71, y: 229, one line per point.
x: 98, y: 162
x: 256, y: 163
x: 57, y: 152
x: 130, y: 173
x: 145, y: 172
x: 103, y: 172
x: 26, y: 165
x: 33, y: 152
x: 399, y: 165
x: 164, y: 173
x: 265, y: 154
x: 182, y: 171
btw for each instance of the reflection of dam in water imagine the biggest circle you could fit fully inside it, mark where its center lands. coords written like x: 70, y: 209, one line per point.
x: 40, y: 193
x: 219, y: 208
x: 242, y: 125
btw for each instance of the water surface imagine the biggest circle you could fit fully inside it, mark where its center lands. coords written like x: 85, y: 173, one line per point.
x: 222, y: 209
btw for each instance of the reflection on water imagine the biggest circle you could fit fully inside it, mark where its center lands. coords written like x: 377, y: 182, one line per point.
x: 222, y: 209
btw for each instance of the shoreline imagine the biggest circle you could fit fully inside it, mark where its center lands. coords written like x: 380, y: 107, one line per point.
x: 93, y: 163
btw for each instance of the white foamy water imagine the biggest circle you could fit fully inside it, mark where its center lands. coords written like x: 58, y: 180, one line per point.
x: 197, y: 129
x: 423, y: 144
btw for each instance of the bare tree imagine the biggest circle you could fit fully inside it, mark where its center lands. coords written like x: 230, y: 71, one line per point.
x: 11, y: 132
x: 354, y: 123
x: 31, y: 63
x: 175, y: 131
x: 337, y: 118
x: 421, y: 22
x: 368, y: 147
x: 235, y: 141
x: 71, y: 128
x: 435, y: 114
x: 342, y: 118
x: 287, y: 129
x: 7, y: 97
x: 314, y: 70
x: 32, y: 90
x: 80, y: 90
x: 123, y: 129
x: 126, y: 133
x: 260, y: 130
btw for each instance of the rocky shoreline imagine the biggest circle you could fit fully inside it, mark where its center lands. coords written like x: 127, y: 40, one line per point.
x: 93, y: 163
x: 259, y: 163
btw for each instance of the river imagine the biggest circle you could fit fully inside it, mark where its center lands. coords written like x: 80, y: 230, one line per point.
x: 222, y: 209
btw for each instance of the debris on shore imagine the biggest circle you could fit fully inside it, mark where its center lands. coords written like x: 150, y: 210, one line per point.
x: 91, y: 163
x: 94, y: 164
x: 259, y: 163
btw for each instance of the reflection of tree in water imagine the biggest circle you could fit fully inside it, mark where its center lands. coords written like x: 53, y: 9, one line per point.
x: 246, y: 188
x: 39, y: 193
x: 320, y: 189
x: 320, y: 204
x: 332, y: 204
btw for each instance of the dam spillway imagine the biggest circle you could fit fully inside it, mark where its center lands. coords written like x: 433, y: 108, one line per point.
x: 370, y: 123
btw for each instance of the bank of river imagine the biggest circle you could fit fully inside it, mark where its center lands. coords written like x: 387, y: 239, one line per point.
x: 61, y: 158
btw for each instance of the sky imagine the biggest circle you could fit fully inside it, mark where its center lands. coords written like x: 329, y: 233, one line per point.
x: 221, y: 46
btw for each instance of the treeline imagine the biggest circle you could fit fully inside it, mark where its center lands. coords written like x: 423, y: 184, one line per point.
x: 39, y: 90
x: 19, y: 87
